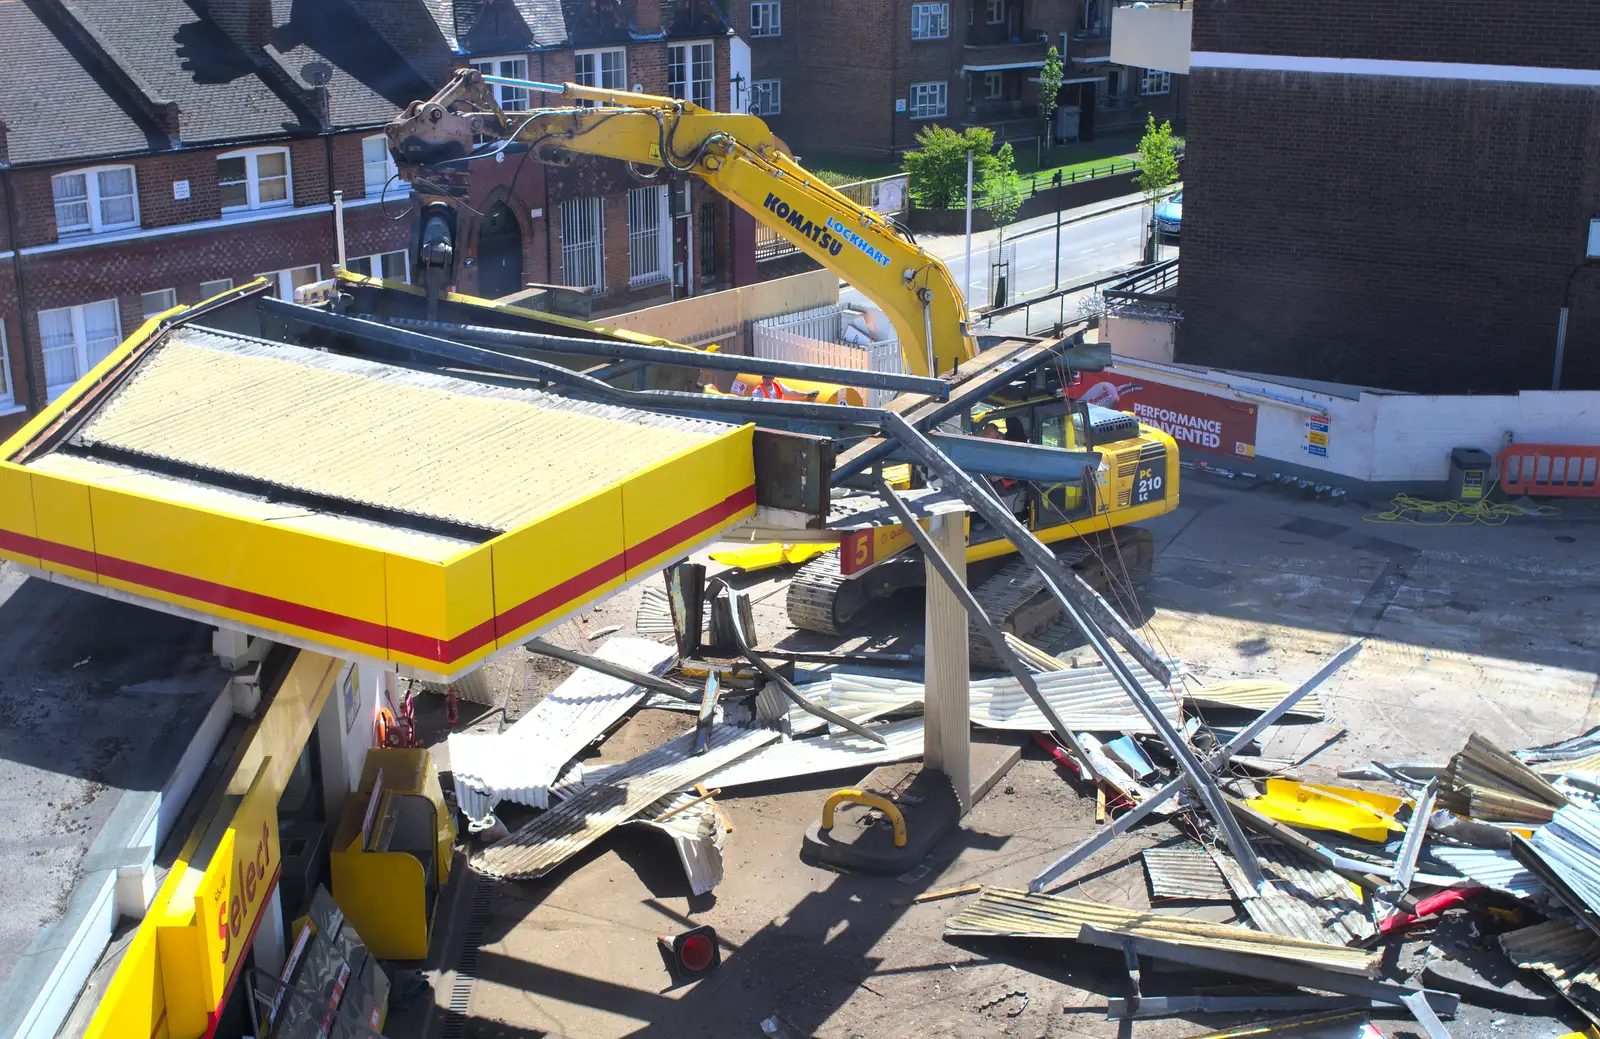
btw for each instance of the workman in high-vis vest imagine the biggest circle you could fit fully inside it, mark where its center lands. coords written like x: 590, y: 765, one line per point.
x: 772, y: 389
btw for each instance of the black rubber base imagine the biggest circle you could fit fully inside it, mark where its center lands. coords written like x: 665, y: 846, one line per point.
x: 862, y: 838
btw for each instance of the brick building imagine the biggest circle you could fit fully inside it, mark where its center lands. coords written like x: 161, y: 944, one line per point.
x: 1397, y: 195
x: 845, y: 77
x: 155, y: 153
x: 594, y: 224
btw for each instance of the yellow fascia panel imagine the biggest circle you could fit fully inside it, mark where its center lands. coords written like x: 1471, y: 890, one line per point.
x: 65, y: 525
x: 327, y: 591
x: 571, y: 555
x: 683, y: 499
x: 441, y: 615
x: 17, y: 531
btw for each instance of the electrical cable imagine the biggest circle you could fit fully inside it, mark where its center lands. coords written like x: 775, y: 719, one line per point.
x: 1423, y: 512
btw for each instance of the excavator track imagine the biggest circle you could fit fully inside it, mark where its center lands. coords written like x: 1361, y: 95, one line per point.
x: 822, y: 599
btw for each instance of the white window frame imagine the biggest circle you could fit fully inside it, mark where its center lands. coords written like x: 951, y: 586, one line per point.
x: 378, y: 270
x: 209, y: 288
x: 686, y: 88
x: 598, y: 75
x: 926, y: 96
x: 92, y: 200
x: 252, y: 180
x: 510, y: 99
x: 81, y: 360
x: 994, y: 86
x: 996, y: 13
x: 571, y: 251
x: 930, y: 21
x: 8, y: 386
x: 766, y: 97
x: 284, y: 290
x: 1156, y: 82
x: 649, y: 247
x: 170, y: 301
x: 377, y: 174
x: 766, y: 18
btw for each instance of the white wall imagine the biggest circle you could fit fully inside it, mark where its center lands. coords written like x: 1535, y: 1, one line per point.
x: 1383, y: 437
x: 1147, y: 340
x: 1154, y: 37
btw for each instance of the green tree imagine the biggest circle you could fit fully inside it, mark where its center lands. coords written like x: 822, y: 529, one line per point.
x: 1003, y: 189
x: 1050, y: 78
x: 938, y: 169
x: 1158, y: 170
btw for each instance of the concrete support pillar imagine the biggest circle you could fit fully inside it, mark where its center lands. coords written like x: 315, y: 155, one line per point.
x: 947, y: 740
x: 270, y: 948
x: 232, y: 648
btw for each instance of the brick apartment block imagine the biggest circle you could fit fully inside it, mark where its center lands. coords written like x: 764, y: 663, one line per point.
x: 1412, y: 226
x: 862, y: 78
x: 152, y: 152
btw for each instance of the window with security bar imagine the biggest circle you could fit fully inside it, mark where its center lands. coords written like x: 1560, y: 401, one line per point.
x: 690, y: 72
x: 707, y: 240
x: 581, y: 258
x: 649, y: 235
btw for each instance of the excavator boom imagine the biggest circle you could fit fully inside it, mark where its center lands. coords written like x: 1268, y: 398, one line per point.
x: 433, y: 142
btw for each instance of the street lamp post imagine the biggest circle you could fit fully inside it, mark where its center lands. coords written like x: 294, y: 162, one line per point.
x: 1561, y: 323
x: 1056, y: 180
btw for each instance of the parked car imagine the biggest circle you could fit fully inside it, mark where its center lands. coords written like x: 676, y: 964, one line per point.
x: 1169, y: 215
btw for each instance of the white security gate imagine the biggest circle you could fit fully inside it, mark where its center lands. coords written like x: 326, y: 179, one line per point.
x: 782, y: 345
x: 648, y: 240
x: 582, y: 266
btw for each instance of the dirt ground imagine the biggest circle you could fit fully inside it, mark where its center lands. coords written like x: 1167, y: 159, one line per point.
x: 1470, y: 628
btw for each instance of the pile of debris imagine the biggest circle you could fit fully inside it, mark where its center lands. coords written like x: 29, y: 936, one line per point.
x: 1470, y: 869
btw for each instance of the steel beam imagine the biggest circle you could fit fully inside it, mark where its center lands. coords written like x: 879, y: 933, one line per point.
x: 1083, y: 598
x: 1117, y: 1009
x: 1405, y: 864
x: 717, y: 406
x: 1257, y: 727
x: 981, y: 621
x: 480, y: 335
x: 620, y: 672
x: 1008, y: 458
x: 1086, y: 607
x: 1271, y: 968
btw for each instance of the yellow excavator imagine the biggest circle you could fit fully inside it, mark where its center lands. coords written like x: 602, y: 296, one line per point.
x: 1087, y: 519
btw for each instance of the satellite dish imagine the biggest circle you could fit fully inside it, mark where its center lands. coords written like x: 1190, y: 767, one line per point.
x: 317, y: 73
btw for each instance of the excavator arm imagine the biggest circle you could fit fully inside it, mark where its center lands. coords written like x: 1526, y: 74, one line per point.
x: 434, y: 143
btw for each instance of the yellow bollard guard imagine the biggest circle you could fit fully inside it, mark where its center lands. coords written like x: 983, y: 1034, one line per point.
x: 882, y: 804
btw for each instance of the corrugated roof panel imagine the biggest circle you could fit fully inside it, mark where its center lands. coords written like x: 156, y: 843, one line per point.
x: 1253, y: 695
x: 391, y: 438
x: 820, y: 754
x: 573, y: 825
x: 1185, y: 872
x: 1563, y: 952
x: 1314, y: 904
x: 1491, y: 867
x: 1019, y: 914
x: 522, y: 762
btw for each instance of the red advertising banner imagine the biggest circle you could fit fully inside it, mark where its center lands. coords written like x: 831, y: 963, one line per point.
x: 1194, y: 419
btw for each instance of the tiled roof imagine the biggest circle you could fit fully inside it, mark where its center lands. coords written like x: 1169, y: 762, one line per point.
x: 74, y: 115
x: 93, y: 77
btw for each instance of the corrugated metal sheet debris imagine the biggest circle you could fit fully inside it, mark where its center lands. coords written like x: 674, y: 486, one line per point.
x: 818, y: 754
x: 1569, y: 844
x: 1253, y: 695
x: 573, y: 825
x: 520, y: 763
x: 696, y: 832
x: 1304, y: 902
x: 874, y: 698
x: 1489, y: 785
x: 653, y: 618
x: 1575, y: 754
x: 1563, y: 952
x: 1491, y: 867
x: 1015, y: 913
x: 1088, y: 699
x: 411, y: 442
x: 1185, y: 872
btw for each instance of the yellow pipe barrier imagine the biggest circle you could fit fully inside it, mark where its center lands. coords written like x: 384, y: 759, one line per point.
x: 882, y: 804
